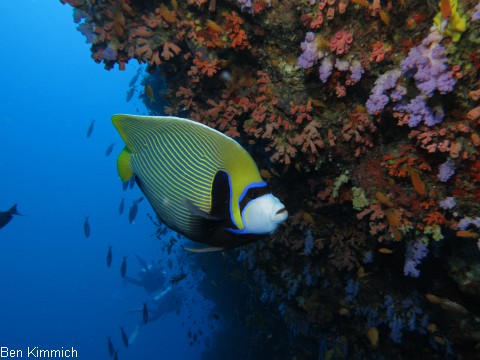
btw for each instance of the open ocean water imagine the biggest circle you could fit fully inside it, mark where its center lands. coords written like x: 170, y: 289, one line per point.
x: 55, y: 288
x: 376, y: 160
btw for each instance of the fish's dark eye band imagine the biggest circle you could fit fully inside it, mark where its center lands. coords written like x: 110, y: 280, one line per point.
x: 253, y: 193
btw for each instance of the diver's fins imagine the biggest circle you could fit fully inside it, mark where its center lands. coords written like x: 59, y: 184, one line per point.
x: 162, y: 294
x: 134, y: 334
x: 142, y: 262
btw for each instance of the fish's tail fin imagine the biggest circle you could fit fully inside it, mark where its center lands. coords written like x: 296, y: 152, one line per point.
x: 13, y: 210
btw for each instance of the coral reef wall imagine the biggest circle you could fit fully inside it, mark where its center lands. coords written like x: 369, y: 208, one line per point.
x: 364, y: 115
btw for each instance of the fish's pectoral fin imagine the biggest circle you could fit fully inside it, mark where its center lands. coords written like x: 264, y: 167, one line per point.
x: 205, y: 250
x: 195, y: 210
x: 123, y: 165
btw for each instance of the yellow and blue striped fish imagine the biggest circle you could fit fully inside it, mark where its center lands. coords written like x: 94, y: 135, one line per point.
x: 200, y: 182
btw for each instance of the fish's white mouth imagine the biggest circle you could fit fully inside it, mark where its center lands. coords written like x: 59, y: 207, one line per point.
x: 264, y: 214
x: 280, y: 216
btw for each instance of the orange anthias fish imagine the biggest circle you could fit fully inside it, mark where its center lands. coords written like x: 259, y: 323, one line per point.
x: 466, y: 234
x: 417, y: 182
x: 383, y: 199
x: 393, y: 217
x: 215, y: 27
x: 372, y: 334
x: 384, y: 17
x: 149, y: 92
x: 446, y: 8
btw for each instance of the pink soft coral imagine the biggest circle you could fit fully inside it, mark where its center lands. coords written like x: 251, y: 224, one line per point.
x: 340, y: 43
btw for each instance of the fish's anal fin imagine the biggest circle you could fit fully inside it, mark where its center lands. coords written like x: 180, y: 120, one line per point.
x: 195, y: 210
x: 123, y: 165
x: 205, y: 250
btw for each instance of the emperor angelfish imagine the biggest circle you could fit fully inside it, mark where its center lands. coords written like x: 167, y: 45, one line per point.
x: 200, y: 182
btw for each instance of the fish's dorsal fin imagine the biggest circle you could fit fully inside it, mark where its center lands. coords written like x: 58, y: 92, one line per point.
x: 136, y: 130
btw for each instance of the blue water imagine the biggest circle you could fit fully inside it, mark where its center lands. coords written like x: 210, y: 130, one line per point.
x: 56, y: 289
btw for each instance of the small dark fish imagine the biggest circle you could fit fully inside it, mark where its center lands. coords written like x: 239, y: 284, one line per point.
x: 122, y: 206
x: 124, y: 336
x: 194, y: 337
x: 86, y: 227
x: 109, y: 256
x: 177, y: 278
x: 125, y: 185
x: 163, y: 231
x: 123, y: 269
x: 133, y: 212
x: 130, y: 94
x: 109, y: 149
x: 135, y: 78
x: 90, y: 128
x: 216, y: 316
x: 111, y: 350
x: 145, y: 313
x: 189, y: 334
x: 139, y: 200
x: 131, y: 182
x: 6, y: 216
